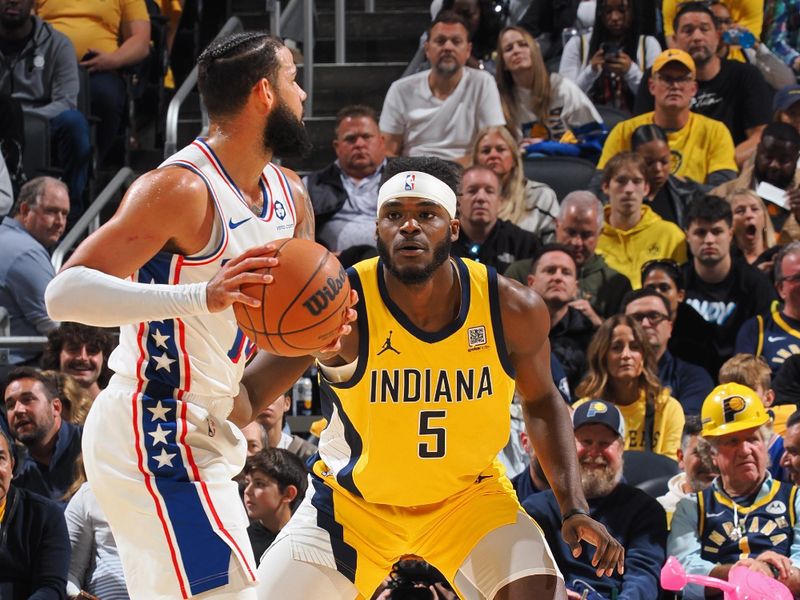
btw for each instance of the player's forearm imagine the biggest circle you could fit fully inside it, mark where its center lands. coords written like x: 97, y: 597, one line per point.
x: 550, y: 431
x: 92, y: 297
x: 268, y: 376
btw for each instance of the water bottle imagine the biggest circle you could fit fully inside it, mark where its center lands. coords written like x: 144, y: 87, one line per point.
x: 302, y: 392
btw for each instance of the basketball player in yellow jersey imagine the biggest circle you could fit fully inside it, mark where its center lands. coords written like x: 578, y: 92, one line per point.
x: 417, y: 406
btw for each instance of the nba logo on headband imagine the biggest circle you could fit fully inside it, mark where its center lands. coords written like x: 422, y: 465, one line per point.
x: 417, y: 184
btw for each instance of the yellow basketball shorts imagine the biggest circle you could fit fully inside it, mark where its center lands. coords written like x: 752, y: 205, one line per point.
x: 335, y: 529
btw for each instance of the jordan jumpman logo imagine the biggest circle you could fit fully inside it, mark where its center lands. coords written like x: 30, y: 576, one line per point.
x: 387, y: 345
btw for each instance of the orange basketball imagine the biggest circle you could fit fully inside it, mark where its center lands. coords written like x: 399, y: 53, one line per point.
x: 303, y: 308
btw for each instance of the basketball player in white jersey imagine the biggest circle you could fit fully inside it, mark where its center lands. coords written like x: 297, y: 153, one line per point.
x: 159, y: 446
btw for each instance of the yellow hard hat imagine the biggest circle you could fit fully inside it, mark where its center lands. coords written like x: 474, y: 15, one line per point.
x: 731, y: 407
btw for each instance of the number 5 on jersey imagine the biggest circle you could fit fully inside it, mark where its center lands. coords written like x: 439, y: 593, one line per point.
x: 434, y: 446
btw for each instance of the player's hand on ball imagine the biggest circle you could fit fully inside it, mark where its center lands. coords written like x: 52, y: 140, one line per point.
x: 335, y: 346
x: 224, y: 289
x: 609, y: 553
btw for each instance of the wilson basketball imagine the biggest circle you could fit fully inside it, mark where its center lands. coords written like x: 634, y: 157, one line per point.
x: 303, y: 308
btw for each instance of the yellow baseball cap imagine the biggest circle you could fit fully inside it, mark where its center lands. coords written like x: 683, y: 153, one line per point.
x: 674, y: 55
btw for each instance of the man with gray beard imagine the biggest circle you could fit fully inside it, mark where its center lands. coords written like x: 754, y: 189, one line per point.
x: 635, y: 519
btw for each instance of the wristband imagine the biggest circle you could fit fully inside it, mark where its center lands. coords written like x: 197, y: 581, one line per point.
x: 571, y: 513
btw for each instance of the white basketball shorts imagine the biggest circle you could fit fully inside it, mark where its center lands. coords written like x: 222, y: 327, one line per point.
x: 162, y: 471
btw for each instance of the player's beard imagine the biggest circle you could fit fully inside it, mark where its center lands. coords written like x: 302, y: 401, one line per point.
x: 415, y: 275
x: 285, y: 135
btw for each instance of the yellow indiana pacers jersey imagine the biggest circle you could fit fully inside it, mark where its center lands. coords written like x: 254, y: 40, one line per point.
x: 424, y: 414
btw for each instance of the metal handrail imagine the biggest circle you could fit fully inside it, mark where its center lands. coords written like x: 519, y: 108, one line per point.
x: 339, y: 18
x: 308, y: 56
x: 19, y: 341
x: 232, y: 25
x: 274, y: 9
x: 90, y: 220
x: 7, y: 341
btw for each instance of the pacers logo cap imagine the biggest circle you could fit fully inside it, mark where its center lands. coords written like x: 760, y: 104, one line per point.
x: 599, y: 411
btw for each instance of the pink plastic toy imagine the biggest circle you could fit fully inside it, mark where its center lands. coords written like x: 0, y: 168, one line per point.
x: 742, y: 584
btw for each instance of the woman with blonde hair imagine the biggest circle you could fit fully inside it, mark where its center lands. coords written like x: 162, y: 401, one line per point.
x: 753, y: 232
x: 531, y: 205
x: 75, y: 400
x: 537, y: 105
x: 622, y: 370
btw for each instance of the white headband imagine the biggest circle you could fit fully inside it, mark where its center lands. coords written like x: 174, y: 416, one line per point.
x: 414, y: 184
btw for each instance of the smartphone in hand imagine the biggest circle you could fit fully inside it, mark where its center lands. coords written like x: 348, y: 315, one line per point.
x: 610, y: 49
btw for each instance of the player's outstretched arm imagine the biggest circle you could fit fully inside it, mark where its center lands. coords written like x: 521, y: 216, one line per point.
x: 526, y: 324
x: 167, y: 209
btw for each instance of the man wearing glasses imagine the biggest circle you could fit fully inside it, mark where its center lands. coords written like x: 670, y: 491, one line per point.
x: 690, y: 383
x: 702, y: 148
x: 775, y: 335
x: 728, y: 90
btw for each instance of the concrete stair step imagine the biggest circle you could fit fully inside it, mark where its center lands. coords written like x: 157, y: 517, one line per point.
x: 380, y: 25
x: 357, y: 50
x: 358, y: 5
x: 254, y: 6
x: 255, y: 20
x: 354, y: 83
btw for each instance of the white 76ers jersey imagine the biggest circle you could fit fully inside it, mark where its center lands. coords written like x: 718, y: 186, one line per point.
x: 206, y: 354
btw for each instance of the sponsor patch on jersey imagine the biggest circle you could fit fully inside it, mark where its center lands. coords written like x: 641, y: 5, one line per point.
x: 476, y: 336
x: 776, y: 507
x: 280, y: 210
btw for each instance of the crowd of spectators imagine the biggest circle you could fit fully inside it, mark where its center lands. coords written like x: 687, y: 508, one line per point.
x: 671, y: 272
x: 672, y: 279
x: 56, y: 540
